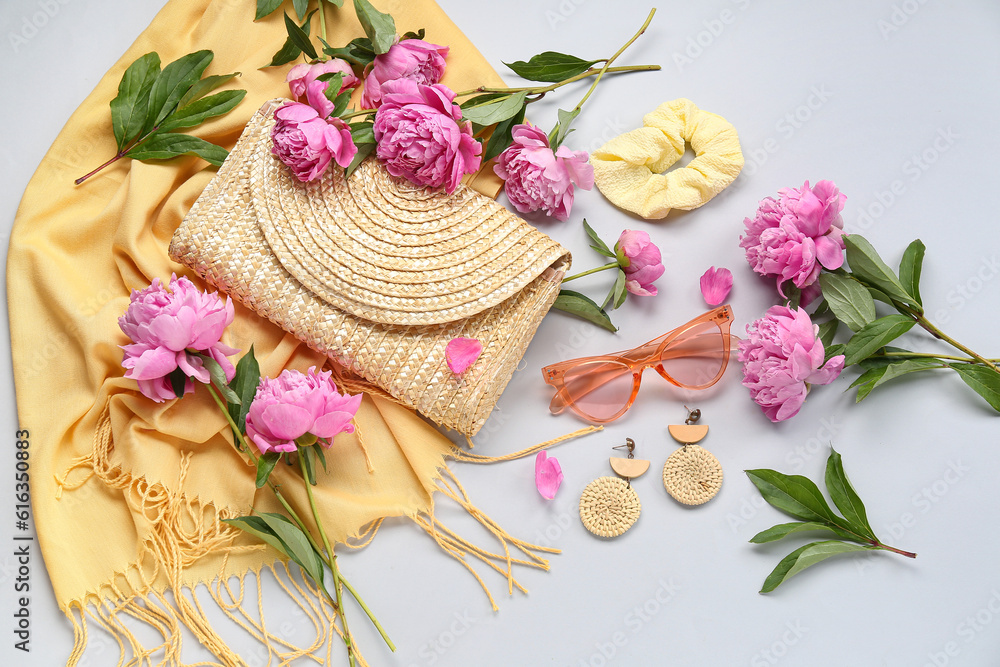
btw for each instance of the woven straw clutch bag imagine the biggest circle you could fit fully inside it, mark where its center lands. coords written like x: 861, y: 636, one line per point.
x: 376, y: 273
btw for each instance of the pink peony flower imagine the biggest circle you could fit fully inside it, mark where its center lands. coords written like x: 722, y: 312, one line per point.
x: 461, y: 353
x: 303, y: 74
x: 548, y: 475
x: 715, y: 285
x: 307, y: 143
x: 793, y: 237
x: 294, y: 404
x: 536, y: 179
x: 168, y: 328
x: 412, y: 59
x: 781, y: 357
x: 640, y: 259
x: 420, y: 137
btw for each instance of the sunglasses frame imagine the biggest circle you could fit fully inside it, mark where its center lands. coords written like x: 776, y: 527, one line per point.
x: 639, y: 359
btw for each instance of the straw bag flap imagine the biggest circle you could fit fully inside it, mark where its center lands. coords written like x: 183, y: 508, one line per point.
x: 376, y: 273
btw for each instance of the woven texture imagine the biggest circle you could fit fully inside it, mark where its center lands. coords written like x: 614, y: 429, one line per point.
x: 376, y: 273
x: 692, y: 475
x: 609, y: 506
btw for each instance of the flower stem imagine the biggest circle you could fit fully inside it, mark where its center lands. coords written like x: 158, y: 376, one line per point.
x: 926, y: 355
x: 937, y: 333
x: 322, y: 20
x: 348, y: 640
x: 605, y: 267
x: 301, y: 524
x: 541, y: 90
x: 110, y: 162
x: 359, y: 112
x: 886, y: 547
x: 607, y: 63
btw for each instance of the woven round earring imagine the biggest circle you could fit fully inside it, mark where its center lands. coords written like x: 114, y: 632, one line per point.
x: 609, y: 505
x: 691, y: 474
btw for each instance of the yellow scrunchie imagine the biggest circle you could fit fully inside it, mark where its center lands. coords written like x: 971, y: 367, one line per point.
x: 627, y: 168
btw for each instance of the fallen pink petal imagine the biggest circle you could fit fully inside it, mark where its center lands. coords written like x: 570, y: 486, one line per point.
x: 548, y: 475
x: 715, y: 285
x: 462, y: 353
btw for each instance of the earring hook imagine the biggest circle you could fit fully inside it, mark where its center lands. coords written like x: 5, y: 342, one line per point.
x: 630, y: 445
x: 693, y: 415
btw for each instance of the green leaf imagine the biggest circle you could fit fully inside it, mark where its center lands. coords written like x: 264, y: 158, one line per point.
x: 562, y: 128
x: 299, y: 37
x: 620, y: 292
x: 879, y: 374
x: 358, y: 51
x: 363, y: 133
x: 795, y: 495
x: 335, y: 3
x: 205, y: 86
x: 833, y: 350
x: 128, y: 109
x: 244, y: 385
x: 782, y: 530
x: 379, y: 27
x: 364, y: 150
x: 502, y: 135
x: 172, y: 84
x: 178, y: 381
x: 266, y: 7
x: 845, y: 497
x: 550, y: 67
x: 218, y: 377
x: 599, y: 245
x: 985, y: 381
x: 321, y: 455
x: 910, y: 267
x: 496, y: 111
x: 827, y: 330
x: 265, y: 466
x: 850, y: 302
x: 480, y: 100
x: 297, y: 544
x: 582, y: 306
x: 165, y: 145
x: 869, y: 267
x: 301, y: 7
x: 198, y: 112
x: 409, y: 34
x: 874, y: 335
x: 254, y: 525
x: 809, y: 555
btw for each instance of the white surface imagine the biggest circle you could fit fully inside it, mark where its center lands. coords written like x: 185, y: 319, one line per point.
x: 851, y: 91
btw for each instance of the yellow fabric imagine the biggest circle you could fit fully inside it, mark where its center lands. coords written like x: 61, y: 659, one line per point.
x: 126, y: 492
x: 627, y: 169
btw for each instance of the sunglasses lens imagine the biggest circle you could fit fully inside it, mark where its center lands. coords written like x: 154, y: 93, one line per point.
x: 598, y: 390
x: 696, y: 357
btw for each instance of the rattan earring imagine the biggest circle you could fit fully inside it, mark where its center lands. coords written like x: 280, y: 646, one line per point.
x: 691, y: 474
x: 609, y: 505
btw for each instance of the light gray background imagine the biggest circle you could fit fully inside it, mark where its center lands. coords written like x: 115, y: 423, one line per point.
x: 853, y: 91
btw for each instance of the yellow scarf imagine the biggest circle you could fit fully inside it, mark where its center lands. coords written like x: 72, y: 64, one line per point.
x: 127, y: 494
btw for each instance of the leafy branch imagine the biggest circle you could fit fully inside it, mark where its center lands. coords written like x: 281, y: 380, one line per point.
x: 151, y: 104
x: 851, y: 295
x: 799, y: 497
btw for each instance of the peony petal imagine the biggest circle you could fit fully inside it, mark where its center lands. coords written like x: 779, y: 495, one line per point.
x: 461, y: 353
x: 548, y: 475
x: 715, y: 285
x: 286, y: 422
